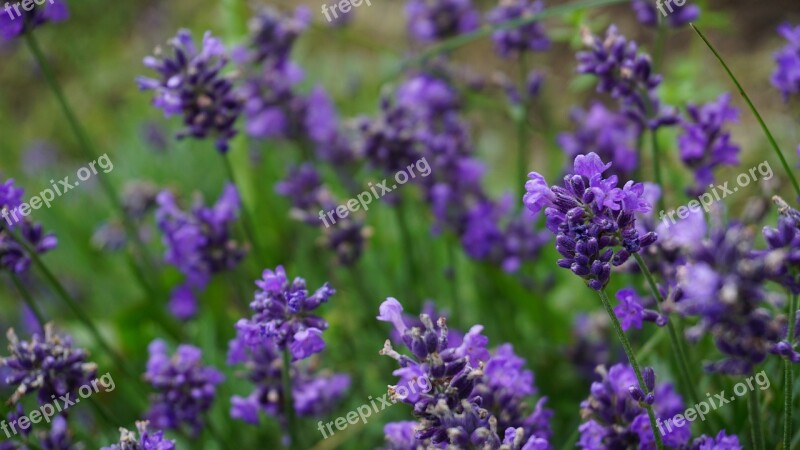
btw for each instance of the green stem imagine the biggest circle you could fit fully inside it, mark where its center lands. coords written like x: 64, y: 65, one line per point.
x: 26, y: 296
x: 657, y: 168
x: 521, y: 117
x: 86, y: 145
x: 626, y: 345
x: 761, y: 122
x: 788, y: 377
x: 754, y: 408
x: 68, y: 300
x: 405, y: 235
x: 288, y: 403
x: 247, y: 218
x: 455, y: 300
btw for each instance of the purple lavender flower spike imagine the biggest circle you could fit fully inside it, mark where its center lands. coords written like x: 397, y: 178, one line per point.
x: 593, y: 219
x: 47, y: 365
x: 313, y: 393
x: 15, y: 21
x: 527, y: 38
x: 145, y: 440
x: 705, y: 144
x: 400, y: 436
x: 786, y: 77
x: 614, y: 419
x: 282, y: 315
x: 783, y: 259
x: 721, y: 442
x: 191, y: 84
x: 676, y: 16
x: 272, y: 34
x: 185, y: 389
x: 631, y: 312
x: 433, y: 20
x: 198, y: 243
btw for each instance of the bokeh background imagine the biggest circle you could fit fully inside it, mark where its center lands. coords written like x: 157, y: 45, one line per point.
x: 96, y: 56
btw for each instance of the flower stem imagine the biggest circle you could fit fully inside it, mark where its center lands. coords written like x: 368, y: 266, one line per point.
x: 26, y: 296
x: 632, y: 359
x: 754, y: 408
x: 73, y: 305
x: 761, y: 122
x: 86, y: 146
x: 521, y: 117
x: 677, y: 347
x: 788, y: 377
x: 288, y: 402
x: 247, y: 218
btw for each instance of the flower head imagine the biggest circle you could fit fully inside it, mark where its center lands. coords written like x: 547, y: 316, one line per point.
x: 676, y: 16
x: 14, y: 225
x: 530, y: 37
x: 592, y: 218
x: 786, y: 77
x: 432, y: 20
x: 191, y: 84
x: 184, y: 388
x: 144, y: 441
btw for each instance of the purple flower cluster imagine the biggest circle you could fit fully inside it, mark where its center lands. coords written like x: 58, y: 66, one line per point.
x: 15, y: 21
x: 591, y: 217
x: 627, y: 76
x: 433, y: 20
x: 631, y: 312
x: 191, y: 84
x: 786, y: 77
x: 472, y: 391
x: 530, y: 37
x: 282, y: 315
x: 609, y: 134
x: 198, y: 243
x: 705, y: 144
x: 676, y: 16
x: 144, y: 441
x: 313, y: 394
x: 13, y: 225
x: 783, y: 259
x: 47, y: 365
x: 184, y: 388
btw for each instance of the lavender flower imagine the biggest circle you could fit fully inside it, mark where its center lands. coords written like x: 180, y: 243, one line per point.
x: 591, y: 217
x: 627, y: 76
x: 313, y: 393
x: 614, y: 419
x: 198, y: 243
x: 59, y: 436
x: 723, y: 285
x: 705, y: 144
x: 191, y: 84
x: 783, y: 259
x: 432, y: 20
x: 272, y: 34
x: 631, y: 313
x: 449, y: 414
x: 786, y: 77
x: 676, y: 16
x: 47, y: 365
x: 282, y: 315
x: 721, y: 442
x: 13, y: 256
x: 144, y: 441
x: 15, y: 21
x: 184, y: 388
x: 530, y: 37
x: 400, y: 436
x: 609, y: 134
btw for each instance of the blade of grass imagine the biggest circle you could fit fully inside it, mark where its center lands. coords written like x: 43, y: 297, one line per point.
x: 761, y: 122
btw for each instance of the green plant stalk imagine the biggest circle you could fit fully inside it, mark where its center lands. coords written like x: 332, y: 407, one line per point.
x: 26, y: 296
x: 761, y: 122
x: 626, y: 345
x: 247, y: 217
x: 448, y: 45
x: 521, y: 117
x: 407, y: 240
x: 288, y: 402
x: 677, y: 348
x: 788, y: 378
x: 86, y: 146
x: 754, y: 409
x: 70, y: 302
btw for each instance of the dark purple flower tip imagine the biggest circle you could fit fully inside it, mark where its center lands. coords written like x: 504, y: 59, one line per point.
x: 786, y: 76
x: 145, y: 440
x: 14, y: 21
x: 430, y: 21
